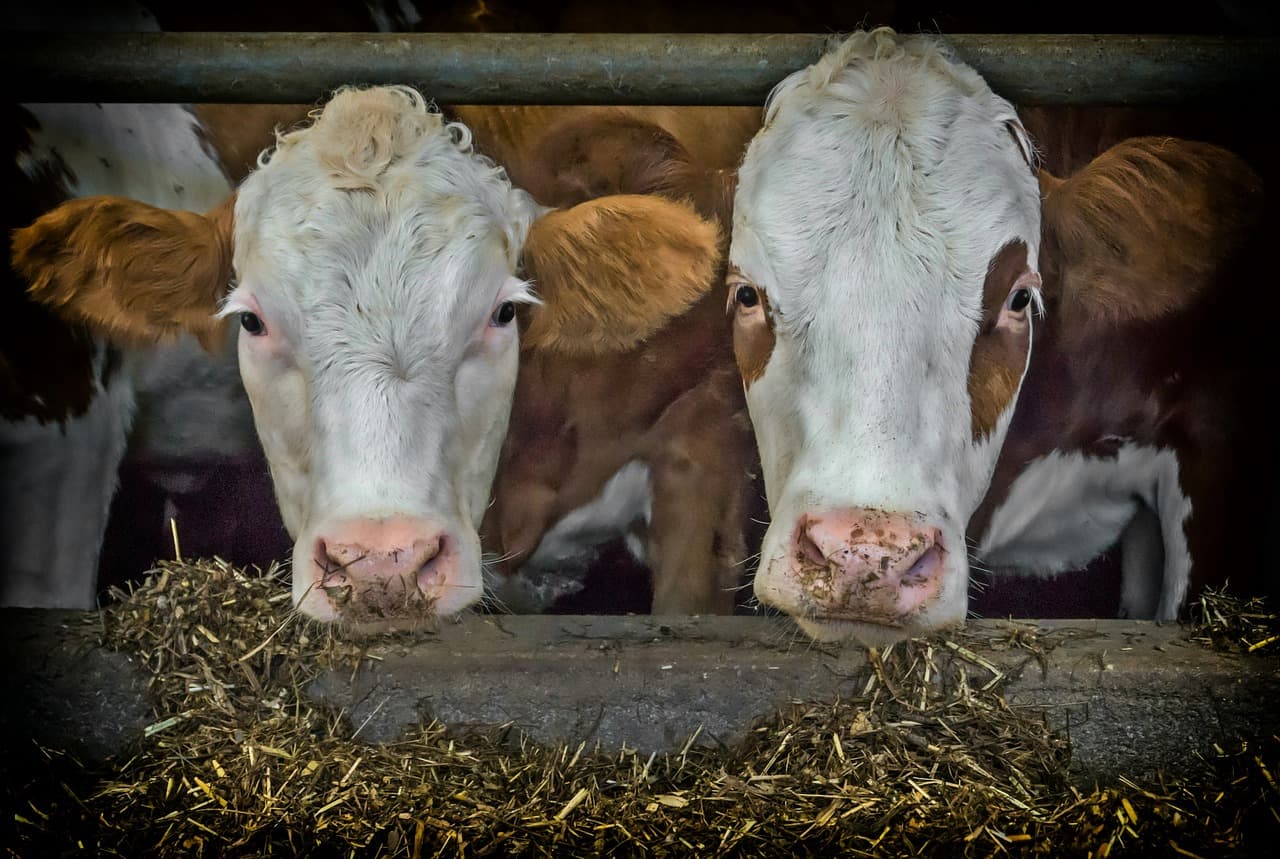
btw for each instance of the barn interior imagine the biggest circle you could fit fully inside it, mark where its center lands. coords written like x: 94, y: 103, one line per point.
x: 192, y: 712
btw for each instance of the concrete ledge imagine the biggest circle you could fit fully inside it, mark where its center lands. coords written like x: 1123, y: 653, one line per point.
x: 1135, y: 697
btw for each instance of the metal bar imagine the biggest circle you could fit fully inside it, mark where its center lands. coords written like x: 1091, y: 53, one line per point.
x: 544, y: 68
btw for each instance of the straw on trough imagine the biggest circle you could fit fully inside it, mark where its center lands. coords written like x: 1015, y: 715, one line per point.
x: 1237, y: 624
x: 928, y: 759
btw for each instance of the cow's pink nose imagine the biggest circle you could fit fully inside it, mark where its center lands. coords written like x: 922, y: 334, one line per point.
x: 383, y: 567
x: 870, y: 565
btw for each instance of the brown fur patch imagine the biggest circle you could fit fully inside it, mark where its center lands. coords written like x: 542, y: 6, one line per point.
x: 1142, y: 230
x: 999, y: 356
x: 674, y: 400
x: 607, y: 153
x: 612, y: 272
x: 135, y: 273
x: 564, y: 155
x: 753, y: 339
x: 238, y: 133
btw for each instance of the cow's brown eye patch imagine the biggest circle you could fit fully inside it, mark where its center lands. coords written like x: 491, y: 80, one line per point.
x: 753, y: 336
x: 999, y: 354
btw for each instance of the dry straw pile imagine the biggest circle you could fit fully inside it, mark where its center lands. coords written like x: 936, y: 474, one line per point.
x: 928, y: 760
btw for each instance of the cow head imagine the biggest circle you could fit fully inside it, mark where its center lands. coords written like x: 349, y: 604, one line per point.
x: 882, y: 279
x: 371, y: 264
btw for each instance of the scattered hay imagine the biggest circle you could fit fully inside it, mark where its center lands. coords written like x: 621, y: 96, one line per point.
x: 1235, y: 624
x: 928, y: 759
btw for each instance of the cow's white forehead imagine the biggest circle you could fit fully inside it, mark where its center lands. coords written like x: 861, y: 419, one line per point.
x: 378, y: 222
x: 867, y: 160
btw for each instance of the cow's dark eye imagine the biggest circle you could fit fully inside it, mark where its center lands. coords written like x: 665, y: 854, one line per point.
x: 504, y: 314
x: 252, y: 323
x: 747, y: 296
x: 1019, y: 300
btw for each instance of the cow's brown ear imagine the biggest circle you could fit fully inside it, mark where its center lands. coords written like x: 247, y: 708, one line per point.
x: 1147, y: 227
x: 615, y: 270
x: 131, y: 272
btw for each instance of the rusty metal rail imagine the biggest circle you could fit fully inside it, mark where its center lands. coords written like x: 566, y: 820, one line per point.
x: 504, y: 68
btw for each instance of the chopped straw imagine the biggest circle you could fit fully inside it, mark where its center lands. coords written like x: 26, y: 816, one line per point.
x: 1235, y: 624
x: 928, y: 760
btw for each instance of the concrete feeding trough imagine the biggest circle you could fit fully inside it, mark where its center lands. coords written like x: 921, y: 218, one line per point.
x: 202, y: 702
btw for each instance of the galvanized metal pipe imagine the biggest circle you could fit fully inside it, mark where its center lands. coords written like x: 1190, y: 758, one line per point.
x: 502, y: 68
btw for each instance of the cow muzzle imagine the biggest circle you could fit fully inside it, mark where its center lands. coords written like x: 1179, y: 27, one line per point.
x: 375, y: 569
x: 858, y: 565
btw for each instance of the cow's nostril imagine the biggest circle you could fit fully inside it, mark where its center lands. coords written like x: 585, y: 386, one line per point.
x: 331, y: 564
x: 430, y: 569
x: 926, y: 566
x: 333, y: 560
x: 808, y: 550
x: 431, y: 551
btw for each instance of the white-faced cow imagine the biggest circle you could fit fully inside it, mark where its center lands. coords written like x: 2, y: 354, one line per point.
x: 373, y: 264
x: 898, y: 272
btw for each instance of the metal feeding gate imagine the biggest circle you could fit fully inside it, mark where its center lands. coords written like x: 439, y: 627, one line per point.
x: 1136, y: 697
x: 547, y: 68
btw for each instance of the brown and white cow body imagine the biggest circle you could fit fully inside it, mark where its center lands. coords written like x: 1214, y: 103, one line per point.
x: 890, y: 251
x: 1139, y: 420
x: 372, y: 263
x: 74, y: 406
x: 69, y: 399
x: 642, y: 437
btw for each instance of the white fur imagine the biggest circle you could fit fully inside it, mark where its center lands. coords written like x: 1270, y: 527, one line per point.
x: 1065, y: 509
x: 55, y: 496
x: 625, y: 499
x: 380, y: 389
x: 560, y: 561
x: 869, y: 208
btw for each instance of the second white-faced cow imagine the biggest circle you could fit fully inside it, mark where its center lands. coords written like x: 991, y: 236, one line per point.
x: 892, y: 251
x: 372, y: 265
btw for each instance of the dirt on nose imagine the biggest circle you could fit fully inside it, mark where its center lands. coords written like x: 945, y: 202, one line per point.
x: 393, y: 598
x: 872, y: 595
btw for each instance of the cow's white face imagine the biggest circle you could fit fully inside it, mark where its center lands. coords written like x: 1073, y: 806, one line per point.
x: 375, y: 259
x: 885, y: 240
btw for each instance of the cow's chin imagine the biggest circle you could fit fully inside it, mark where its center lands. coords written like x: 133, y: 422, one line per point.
x: 945, y: 610
x: 834, y: 630
x: 410, y: 614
